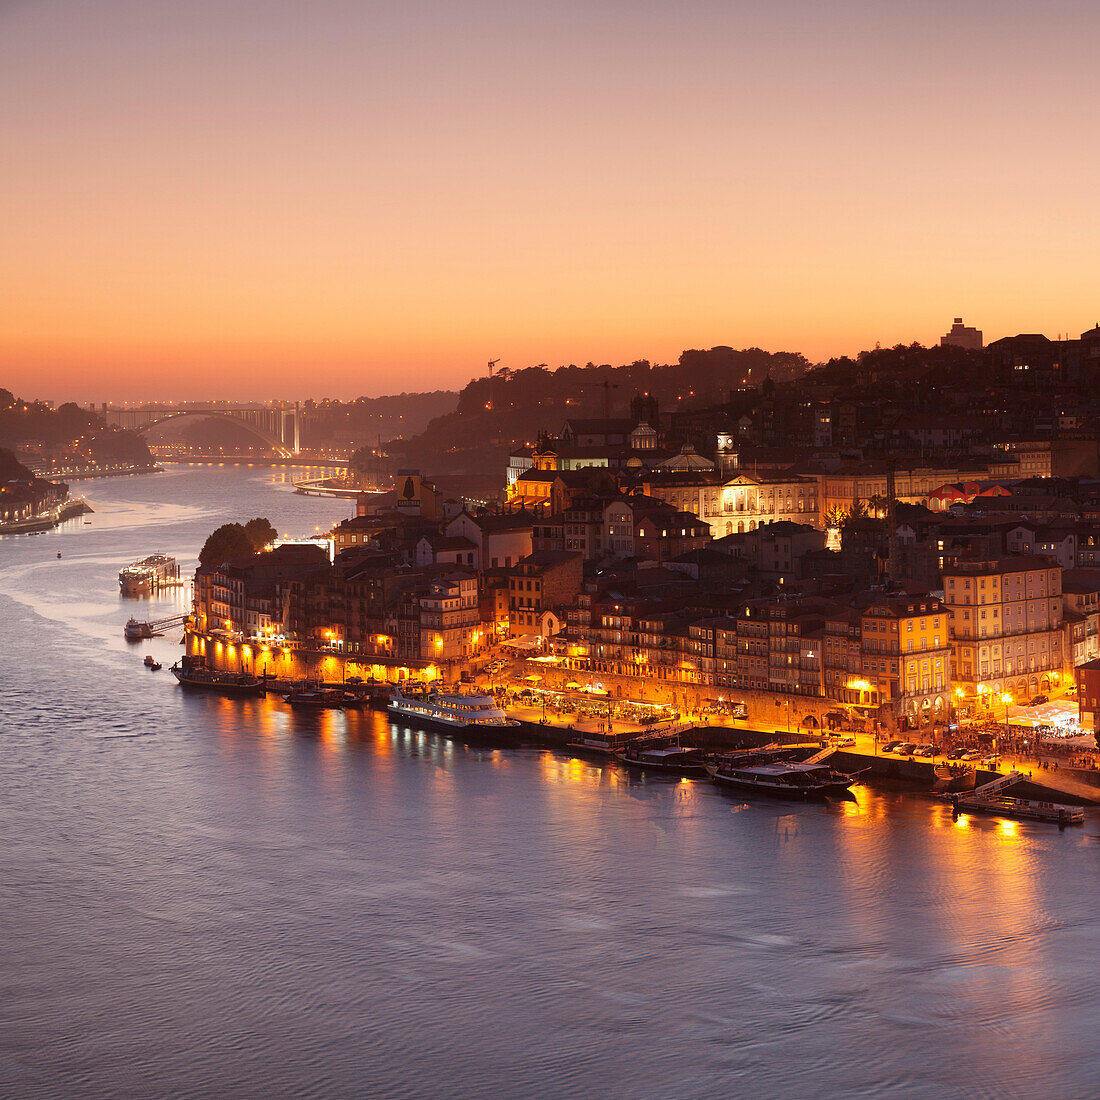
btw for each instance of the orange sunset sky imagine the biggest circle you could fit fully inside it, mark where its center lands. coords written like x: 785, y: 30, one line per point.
x: 259, y: 199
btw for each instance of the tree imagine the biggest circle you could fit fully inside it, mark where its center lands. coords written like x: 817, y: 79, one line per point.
x: 858, y: 510
x: 260, y: 533
x: 11, y: 469
x: 878, y: 506
x: 228, y: 542
x: 835, y: 516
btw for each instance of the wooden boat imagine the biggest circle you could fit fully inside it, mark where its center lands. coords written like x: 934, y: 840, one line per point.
x: 603, y: 744
x: 782, y: 779
x: 319, y: 700
x: 669, y: 759
x: 361, y: 694
x: 221, y: 683
x: 954, y: 777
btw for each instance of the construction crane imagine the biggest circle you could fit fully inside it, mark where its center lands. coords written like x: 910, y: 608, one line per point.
x: 489, y: 403
x: 607, y: 387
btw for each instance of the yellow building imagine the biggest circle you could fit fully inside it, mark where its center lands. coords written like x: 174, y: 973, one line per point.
x: 1006, y: 625
x: 906, y: 654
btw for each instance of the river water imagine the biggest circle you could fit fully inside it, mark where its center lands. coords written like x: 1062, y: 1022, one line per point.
x: 209, y: 897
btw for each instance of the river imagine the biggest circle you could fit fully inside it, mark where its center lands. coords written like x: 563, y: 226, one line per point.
x: 210, y: 897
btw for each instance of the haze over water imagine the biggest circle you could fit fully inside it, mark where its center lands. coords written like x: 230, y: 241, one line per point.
x: 221, y: 897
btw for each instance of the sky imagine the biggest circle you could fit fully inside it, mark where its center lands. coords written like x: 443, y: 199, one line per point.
x: 255, y: 198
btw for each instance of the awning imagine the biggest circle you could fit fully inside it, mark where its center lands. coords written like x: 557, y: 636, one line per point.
x: 572, y: 685
x: 1056, y: 712
x: 532, y: 679
x: 525, y: 641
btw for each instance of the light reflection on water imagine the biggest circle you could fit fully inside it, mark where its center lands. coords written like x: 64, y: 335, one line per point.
x: 213, y: 896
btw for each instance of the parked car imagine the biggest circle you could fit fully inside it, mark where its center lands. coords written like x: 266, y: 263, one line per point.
x: 1038, y: 701
x: 890, y: 746
x: 845, y: 740
x: 955, y: 754
x: 972, y: 754
x: 925, y: 750
x: 907, y: 748
x: 992, y: 758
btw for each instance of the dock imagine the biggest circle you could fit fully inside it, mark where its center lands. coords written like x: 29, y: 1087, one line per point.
x: 1022, y: 809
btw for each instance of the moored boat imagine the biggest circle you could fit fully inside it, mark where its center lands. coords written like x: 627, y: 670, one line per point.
x: 361, y: 694
x: 455, y: 712
x: 954, y: 777
x: 135, y: 631
x: 318, y: 699
x: 669, y: 759
x: 782, y: 779
x: 1021, y: 809
x: 595, y: 743
x: 148, y: 576
x: 222, y: 683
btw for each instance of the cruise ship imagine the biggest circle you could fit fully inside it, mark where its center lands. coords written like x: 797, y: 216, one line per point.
x: 151, y: 574
x: 457, y: 713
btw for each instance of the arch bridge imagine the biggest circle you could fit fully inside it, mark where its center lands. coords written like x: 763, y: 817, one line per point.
x: 279, y: 426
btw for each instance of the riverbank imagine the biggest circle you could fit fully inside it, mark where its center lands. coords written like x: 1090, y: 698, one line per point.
x: 69, y: 510
x: 534, y: 728
x: 87, y: 473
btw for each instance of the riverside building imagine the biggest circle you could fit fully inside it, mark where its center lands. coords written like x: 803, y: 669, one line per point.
x: 1006, y: 625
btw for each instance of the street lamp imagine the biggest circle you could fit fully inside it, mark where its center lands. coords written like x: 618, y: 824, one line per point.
x: 1007, y: 700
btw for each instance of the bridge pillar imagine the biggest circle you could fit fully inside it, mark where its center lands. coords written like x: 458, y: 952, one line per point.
x: 284, y: 434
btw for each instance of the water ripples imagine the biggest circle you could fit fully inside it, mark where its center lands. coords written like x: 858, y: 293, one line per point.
x: 211, y: 897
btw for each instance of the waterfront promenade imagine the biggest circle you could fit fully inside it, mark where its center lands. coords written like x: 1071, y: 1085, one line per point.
x: 70, y: 509
x: 858, y: 751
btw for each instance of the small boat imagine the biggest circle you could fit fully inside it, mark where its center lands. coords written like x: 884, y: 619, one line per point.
x: 670, y: 759
x: 321, y: 700
x: 453, y: 712
x: 135, y: 631
x: 782, y: 780
x: 222, y: 683
x: 59, y: 553
x: 155, y: 666
x: 149, y: 660
x: 951, y: 778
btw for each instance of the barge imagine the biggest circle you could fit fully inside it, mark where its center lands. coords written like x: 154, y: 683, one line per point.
x: 1021, y: 809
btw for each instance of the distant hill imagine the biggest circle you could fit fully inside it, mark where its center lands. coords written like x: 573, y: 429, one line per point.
x: 79, y: 433
x: 496, y: 415
x: 368, y: 419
